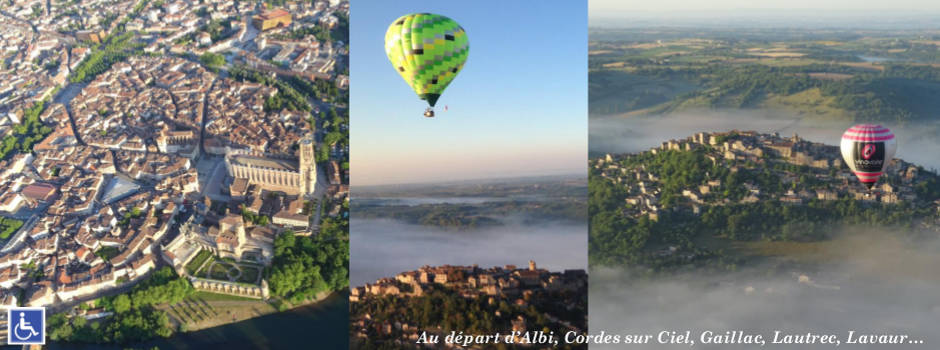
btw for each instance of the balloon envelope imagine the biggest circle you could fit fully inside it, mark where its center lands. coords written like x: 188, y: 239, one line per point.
x: 428, y: 51
x: 867, y: 149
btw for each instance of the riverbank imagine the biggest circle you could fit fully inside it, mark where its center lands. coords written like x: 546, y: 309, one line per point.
x: 325, y: 321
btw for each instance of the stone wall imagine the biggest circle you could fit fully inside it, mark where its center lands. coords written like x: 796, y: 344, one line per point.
x: 223, y: 287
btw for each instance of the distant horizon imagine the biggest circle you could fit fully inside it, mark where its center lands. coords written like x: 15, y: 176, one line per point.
x: 653, y: 21
x: 846, y: 14
x: 837, y: 6
x: 496, y: 179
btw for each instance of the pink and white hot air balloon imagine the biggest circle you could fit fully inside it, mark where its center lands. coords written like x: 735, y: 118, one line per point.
x: 867, y: 149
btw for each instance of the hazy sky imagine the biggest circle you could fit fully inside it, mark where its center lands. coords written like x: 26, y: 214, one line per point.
x: 518, y: 107
x: 609, y: 7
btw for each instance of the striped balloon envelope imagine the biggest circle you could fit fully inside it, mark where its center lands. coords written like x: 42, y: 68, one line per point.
x: 867, y: 149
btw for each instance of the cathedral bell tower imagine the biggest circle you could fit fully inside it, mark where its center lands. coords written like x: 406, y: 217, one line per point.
x: 308, y: 166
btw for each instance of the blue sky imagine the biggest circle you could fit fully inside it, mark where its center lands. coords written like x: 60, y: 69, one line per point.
x: 518, y: 107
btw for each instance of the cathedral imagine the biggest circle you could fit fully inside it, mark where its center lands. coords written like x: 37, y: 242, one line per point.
x: 297, y: 176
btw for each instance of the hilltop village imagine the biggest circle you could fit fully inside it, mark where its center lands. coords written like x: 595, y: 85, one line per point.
x: 790, y: 170
x: 512, y: 299
x: 715, y: 200
x: 140, y: 134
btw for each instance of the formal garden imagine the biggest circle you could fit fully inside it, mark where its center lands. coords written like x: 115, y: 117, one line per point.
x: 206, y: 265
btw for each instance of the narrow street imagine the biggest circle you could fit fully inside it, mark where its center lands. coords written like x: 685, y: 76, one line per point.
x: 205, y: 116
x: 65, y: 97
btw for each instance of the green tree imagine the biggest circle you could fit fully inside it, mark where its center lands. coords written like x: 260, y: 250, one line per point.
x: 121, y: 303
x: 212, y: 60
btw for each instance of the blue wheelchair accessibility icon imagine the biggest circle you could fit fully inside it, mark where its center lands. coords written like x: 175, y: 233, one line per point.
x: 26, y: 325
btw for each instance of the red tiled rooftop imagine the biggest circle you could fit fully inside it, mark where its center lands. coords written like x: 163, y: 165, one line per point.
x: 39, y: 191
x: 275, y: 13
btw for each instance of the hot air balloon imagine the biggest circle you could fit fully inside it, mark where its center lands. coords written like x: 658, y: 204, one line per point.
x: 867, y: 149
x: 428, y: 51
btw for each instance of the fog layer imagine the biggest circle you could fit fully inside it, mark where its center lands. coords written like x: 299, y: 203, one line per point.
x: 385, y: 247
x: 873, y: 282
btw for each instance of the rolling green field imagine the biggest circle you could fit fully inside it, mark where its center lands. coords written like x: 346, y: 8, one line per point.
x: 617, y: 91
x: 843, y: 75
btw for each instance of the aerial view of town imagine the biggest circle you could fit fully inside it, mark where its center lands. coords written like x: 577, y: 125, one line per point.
x: 170, y: 167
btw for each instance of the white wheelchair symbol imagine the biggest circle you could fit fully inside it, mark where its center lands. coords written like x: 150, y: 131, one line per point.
x: 24, y: 326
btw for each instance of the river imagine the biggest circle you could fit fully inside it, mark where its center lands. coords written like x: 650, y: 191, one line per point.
x: 324, y: 325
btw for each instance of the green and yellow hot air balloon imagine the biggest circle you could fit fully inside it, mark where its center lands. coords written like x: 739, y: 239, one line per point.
x: 428, y: 51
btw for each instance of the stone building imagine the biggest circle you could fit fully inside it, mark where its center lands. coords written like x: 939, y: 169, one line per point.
x: 179, y: 141
x: 272, y: 19
x: 289, y: 175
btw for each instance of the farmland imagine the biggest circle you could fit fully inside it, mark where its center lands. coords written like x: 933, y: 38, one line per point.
x: 829, y: 74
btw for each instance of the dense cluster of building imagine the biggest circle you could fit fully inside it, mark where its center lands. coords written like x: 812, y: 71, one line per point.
x: 473, y: 281
x: 44, y: 42
x: 35, y: 63
x: 736, y: 150
x: 286, y: 40
x: 76, y: 202
x: 161, y: 104
x: 269, y: 39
